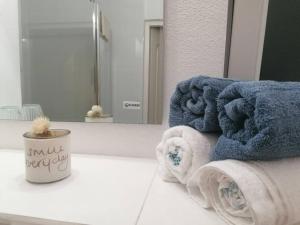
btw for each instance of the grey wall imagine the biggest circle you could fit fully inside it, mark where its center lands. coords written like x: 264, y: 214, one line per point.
x: 58, y: 57
x: 281, y: 58
x: 126, y: 18
x: 10, y: 84
x: 105, y: 81
x: 248, y: 28
x: 76, y: 12
x: 153, y: 9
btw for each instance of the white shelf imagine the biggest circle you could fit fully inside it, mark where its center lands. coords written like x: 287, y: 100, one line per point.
x: 102, y: 190
x: 99, y: 120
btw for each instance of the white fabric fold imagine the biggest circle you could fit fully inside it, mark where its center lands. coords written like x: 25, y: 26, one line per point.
x: 250, y: 193
x: 181, y: 151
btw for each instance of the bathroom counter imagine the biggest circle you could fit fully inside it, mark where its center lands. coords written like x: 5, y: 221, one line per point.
x: 169, y: 204
x: 101, y: 190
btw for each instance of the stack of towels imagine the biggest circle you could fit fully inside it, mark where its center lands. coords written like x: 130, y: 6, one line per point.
x: 235, y: 145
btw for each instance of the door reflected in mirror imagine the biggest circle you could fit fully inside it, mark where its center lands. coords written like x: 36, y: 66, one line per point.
x: 89, y: 61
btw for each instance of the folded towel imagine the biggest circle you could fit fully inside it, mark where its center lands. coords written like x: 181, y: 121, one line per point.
x: 247, y: 193
x: 259, y: 120
x: 194, y: 103
x: 181, y: 151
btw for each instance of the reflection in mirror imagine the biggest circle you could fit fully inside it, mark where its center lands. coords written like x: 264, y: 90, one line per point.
x: 90, y: 61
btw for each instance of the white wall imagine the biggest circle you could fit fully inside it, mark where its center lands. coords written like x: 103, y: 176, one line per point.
x: 10, y: 85
x: 195, y: 34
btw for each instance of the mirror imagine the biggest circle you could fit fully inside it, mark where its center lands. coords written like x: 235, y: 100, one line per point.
x: 75, y: 54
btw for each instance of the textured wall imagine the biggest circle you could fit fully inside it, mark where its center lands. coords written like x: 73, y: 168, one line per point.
x: 195, y: 34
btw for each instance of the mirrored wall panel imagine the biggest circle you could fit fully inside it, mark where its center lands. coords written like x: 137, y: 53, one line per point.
x: 89, y: 61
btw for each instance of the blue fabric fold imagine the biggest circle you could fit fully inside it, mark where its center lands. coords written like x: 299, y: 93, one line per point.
x: 194, y: 103
x: 259, y: 120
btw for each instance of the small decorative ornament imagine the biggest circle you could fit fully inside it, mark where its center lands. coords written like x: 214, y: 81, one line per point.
x: 95, y: 112
x: 97, y: 109
x: 41, y: 126
x: 47, y: 152
x: 90, y: 113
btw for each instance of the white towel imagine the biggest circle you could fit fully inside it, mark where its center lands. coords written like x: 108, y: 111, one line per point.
x: 181, y: 151
x: 250, y: 193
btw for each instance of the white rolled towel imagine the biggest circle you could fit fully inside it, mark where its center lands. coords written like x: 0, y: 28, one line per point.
x: 250, y: 193
x: 181, y: 151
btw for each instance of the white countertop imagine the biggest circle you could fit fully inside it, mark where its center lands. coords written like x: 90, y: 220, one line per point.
x: 101, y: 190
x: 169, y: 204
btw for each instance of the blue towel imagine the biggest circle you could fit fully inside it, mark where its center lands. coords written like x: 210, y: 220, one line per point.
x: 194, y: 103
x: 259, y: 120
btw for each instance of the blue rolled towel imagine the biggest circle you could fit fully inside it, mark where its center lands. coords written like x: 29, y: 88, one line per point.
x: 194, y: 103
x: 259, y: 120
